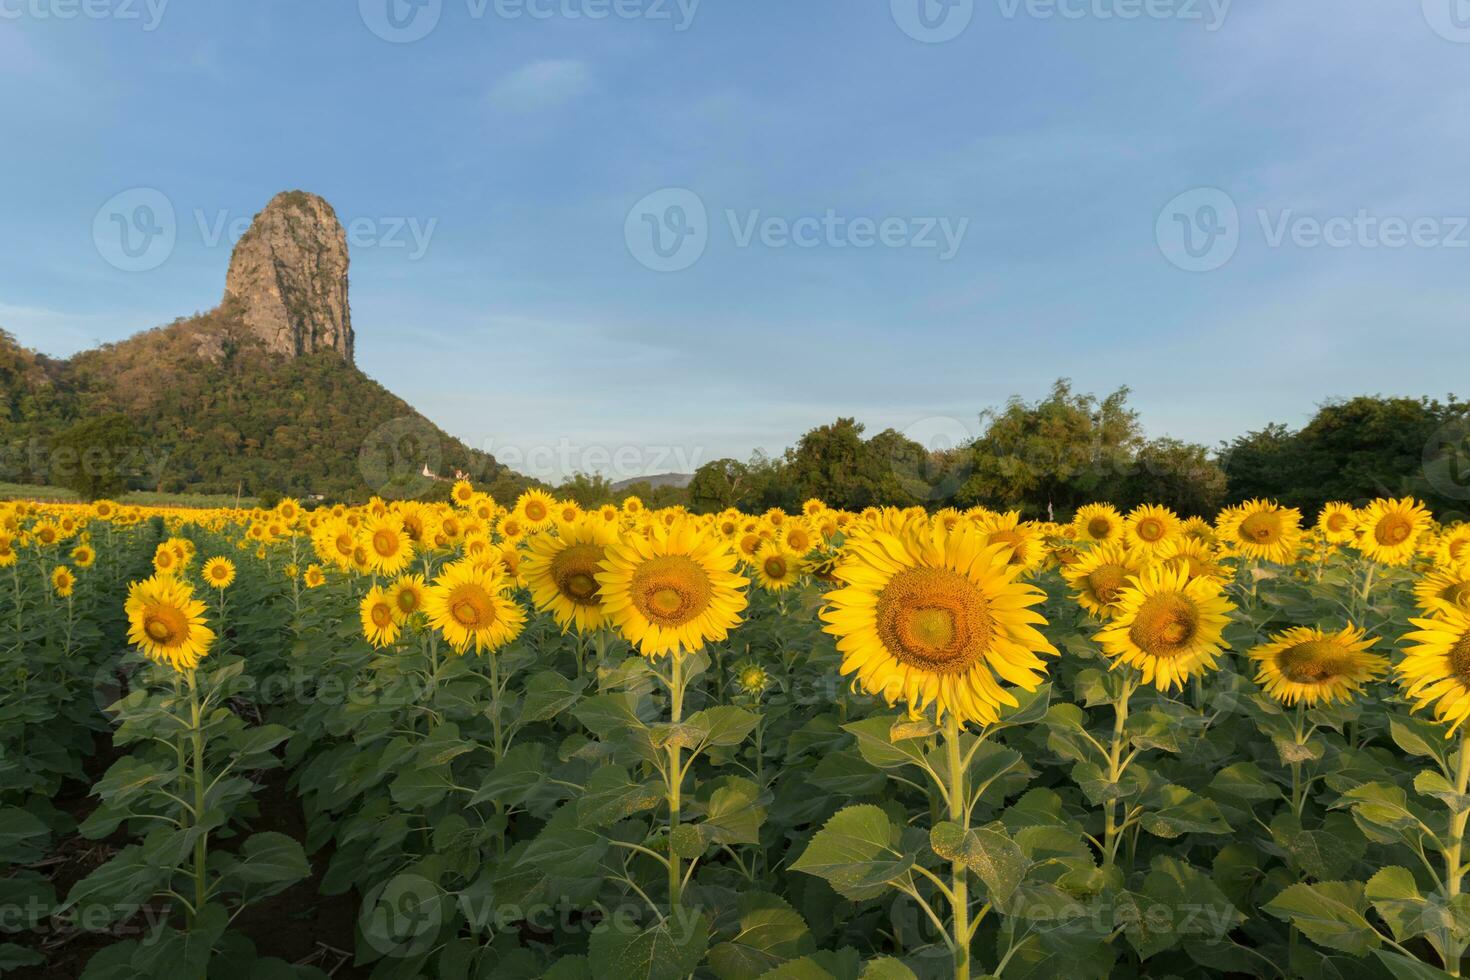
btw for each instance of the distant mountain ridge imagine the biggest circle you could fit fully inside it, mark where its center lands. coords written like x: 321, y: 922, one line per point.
x: 260, y: 393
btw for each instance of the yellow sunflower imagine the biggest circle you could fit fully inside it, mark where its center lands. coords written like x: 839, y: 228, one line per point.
x: 219, y: 573
x: 776, y: 567
x: 406, y: 596
x: 1100, y: 575
x: 463, y: 493
x: 1168, y: 625
x: 379, y: 620
x: 8, y: 556
x: 1026, y: 546
x: 1097, y: 523
x: 1149, y: 526
x: 63, y: 581
x: 673, y: 590
x: 1444, y: 587
x: 389, y: 547
x: 1262, y: 529
x: 1454, y: 546
x: 561, y: 572
x: 1391, y: 529
x: 1193, y: 555
x: 314, y: 577
x: 937, y: 617
x: 1306, y: 664
x: 1337, y: 522
x: 536, y: 508
x: 1436, y: 668
x: 465, y: 603
x: 166, y: 622
x: 798, y: 536
x: 84, y: 555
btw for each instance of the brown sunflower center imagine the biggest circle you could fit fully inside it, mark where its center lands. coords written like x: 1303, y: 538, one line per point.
x: 1099, y: 527
x: 1393, y: 529
x: 1313, y: 662
x: 935, y: 619
x: 385, y: 542
x: 574, y: 570
x: 1165, y: 624
x: 1149, y: 529
x: 671, y: 590
x: 1262, y: 527
x: 165, y: 625
x: 1105, y: 581
x: 382, y: 616
x: 1337, y: 521
x: 471, y: 607
x: 535, y: 510
x: 408, y: 601
x: 775, y: 567
x: 345, y: 544
x: 1460, y: 658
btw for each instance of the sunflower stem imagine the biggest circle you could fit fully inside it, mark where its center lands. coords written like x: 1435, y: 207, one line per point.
x: 959, y: 814
x: 1454, y: 948
x: 675, y: 778
x: 201, y: 845
x: 1116, y: 767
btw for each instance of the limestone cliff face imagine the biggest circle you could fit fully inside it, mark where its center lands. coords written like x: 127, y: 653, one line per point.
x: 288, y: 277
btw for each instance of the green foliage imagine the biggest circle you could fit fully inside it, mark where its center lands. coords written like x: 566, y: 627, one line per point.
x: 1356, y: 450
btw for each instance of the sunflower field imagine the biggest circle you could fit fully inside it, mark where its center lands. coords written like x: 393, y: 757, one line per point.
x: 534, y: 741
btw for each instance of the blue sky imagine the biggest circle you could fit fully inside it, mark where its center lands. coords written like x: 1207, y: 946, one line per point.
x: 1066, y: 147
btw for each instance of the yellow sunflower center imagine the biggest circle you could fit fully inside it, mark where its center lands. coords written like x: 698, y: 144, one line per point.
x: 934, y: 619
x: 671, y: 590
x: 219, y: 573
x: 1393, y: 529
x: 472, y: 607
x: 574, y: 571
x: 1262, y: 527
x: 1104, y: 581
x: 1099, y: 527
x: 1313, y: 662
x: 1165, y: 624
x: 165, y: 625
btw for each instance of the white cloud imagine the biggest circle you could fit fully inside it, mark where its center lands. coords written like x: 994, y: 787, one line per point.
x: 542, y: 84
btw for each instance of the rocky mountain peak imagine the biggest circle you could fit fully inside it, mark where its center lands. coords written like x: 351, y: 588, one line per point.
x: 288, y: 277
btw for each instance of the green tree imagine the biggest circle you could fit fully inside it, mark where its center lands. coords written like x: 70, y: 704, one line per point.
x: 718, y: 485
x: 1051, y: 457
x: 96, y: 457
x: 1179, y: 475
